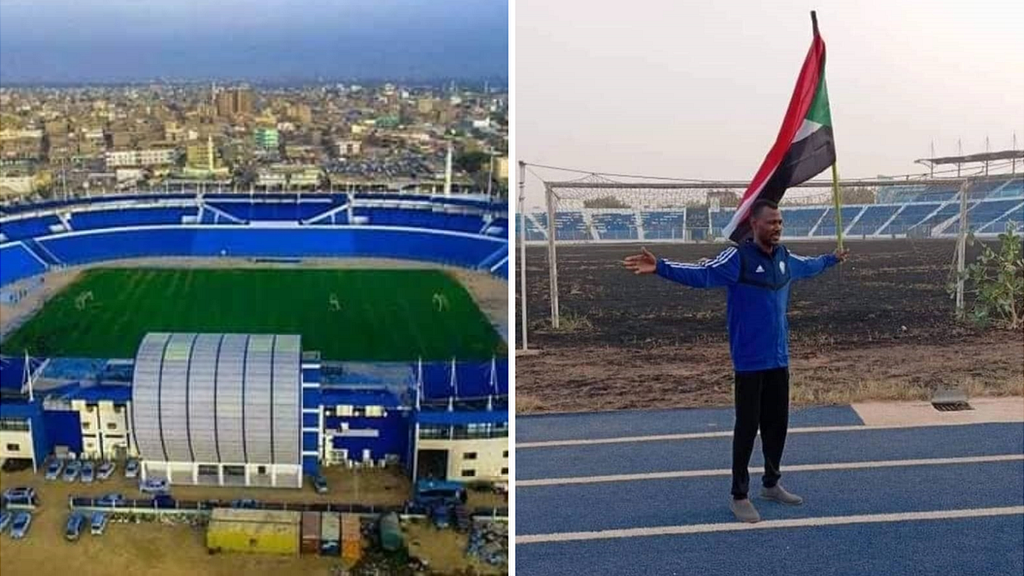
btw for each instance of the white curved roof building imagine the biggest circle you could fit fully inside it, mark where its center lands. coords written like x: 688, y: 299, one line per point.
x: 219, y: 408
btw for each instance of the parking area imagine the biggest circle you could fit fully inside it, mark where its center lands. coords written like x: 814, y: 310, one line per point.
x: 639, y: 493
x: 180, y: 549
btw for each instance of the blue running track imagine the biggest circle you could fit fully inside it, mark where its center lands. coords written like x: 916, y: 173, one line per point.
x: 920, y: 507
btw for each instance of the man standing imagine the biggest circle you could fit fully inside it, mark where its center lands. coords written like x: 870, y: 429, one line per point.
x: 757, y: 274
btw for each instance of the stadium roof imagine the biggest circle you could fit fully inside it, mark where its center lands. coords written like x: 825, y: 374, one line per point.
x: 12, y: 372
x: 460, y: 418
x: 971, y: 158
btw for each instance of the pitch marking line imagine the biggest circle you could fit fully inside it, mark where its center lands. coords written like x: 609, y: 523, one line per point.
x: 728, y: 434
x: 788, y: 469
x: 770, y: 524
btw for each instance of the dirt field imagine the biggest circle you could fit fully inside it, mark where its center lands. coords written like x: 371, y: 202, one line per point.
x: 444, y: 550
x: 881, y: 327
x: 179, y: 550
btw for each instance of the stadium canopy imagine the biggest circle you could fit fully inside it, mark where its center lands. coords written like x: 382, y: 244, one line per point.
x: 15, y: 373
x: 973, y: 158
x: 983, y: 158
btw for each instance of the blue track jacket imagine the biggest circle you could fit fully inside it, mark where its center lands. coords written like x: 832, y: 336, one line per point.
x: 758, y: 286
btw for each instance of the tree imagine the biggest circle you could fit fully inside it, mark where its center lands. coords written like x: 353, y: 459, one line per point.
x: 726, y: 198
x: 857, y: 195
x: 996, y: 280
x: 471, y: 162
x: 605, y: 202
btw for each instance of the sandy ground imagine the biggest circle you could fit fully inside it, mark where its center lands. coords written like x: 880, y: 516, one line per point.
x: 14, y: 315
x: 180, y: 550
x: 609, y: 378
x: 444, y: 550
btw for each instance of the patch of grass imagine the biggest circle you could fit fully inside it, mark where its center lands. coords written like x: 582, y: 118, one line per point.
x: 528, y: 404
x: 806, y: 391
x: 573, y: 322
x: 371, y: 315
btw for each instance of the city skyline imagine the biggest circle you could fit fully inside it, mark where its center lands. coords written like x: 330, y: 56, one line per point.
x: 62, y: 42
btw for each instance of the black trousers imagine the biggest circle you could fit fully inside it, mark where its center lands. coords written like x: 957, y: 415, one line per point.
x: 762, y: 401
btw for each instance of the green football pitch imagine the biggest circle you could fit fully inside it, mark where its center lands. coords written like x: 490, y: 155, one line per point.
x: 369, y: 315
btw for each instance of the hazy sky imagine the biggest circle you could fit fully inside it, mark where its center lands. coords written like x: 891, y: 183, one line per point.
x: 75, y: 40
x: 699, y: 89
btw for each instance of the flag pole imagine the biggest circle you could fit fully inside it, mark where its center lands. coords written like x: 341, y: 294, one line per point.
x: 835, y: 169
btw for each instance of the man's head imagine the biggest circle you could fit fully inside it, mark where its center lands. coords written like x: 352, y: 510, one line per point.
x: 766, y: 222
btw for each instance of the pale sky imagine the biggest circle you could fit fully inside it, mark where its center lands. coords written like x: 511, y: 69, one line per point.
x: 698, y: 89
x: 131, y: 40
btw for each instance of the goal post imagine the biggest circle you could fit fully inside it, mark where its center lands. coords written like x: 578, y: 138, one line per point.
x: 597, y: 210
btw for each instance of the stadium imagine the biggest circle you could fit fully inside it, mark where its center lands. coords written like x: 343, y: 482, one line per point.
x: 243, y: 340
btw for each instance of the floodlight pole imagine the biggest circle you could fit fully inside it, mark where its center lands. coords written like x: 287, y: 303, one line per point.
x: 522, y: 249
x: 549, y: 196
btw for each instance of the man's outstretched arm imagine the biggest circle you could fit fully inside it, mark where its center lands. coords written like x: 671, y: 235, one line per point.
x: 721, y: 271
x: 805, y: 267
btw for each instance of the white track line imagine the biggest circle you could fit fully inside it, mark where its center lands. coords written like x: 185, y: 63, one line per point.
x: 728, y: 434
x: 769, y: 525
x: 793, y: 468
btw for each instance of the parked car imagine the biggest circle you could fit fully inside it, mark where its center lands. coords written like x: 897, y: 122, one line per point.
x: 441, y: 515
x: 88, y: 472
x: 5, y: 519
x: 99, y: 523
x: 131, y: 468
x: 245, y: 503
x: 16, y: 464
x: 20, y: 495
x: 153, y: 486
x: 112, y: 499
x: 71, y: 470
x: 19, y: 528
x: 164, y: 501
x: 320, y: 484
x: 74, y: 526
x: 53, y: 469
x: 105, y: 470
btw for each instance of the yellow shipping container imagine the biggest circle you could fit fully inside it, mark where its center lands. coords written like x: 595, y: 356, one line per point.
x: 260, y: 531
x: 351, y: 538
x: 352, y: 551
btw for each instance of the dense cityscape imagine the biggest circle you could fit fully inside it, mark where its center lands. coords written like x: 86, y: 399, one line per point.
x: 93, y: 140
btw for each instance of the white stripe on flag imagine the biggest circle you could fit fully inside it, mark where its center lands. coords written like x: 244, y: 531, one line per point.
x: 736, y: 219
x: 806, y: 129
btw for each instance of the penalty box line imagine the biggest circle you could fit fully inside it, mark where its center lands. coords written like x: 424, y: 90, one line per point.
x: 728, y: 434
x: 789, y: 468
x: 770, y: 525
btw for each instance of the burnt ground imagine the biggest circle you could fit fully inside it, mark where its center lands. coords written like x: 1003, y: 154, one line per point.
x: 880, y: 327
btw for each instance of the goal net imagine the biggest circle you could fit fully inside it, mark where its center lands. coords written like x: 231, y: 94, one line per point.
x: 597, y: 210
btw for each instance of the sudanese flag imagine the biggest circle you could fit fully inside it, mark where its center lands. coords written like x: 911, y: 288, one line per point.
x: 804, y: 147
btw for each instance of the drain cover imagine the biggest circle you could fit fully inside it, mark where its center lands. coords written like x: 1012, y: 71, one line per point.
x: 952, y: 406
x: 948, y: 400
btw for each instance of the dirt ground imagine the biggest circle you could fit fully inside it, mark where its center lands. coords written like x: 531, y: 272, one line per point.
x: 444, y: 550
x: 880, y: 327
x: 180, y: 550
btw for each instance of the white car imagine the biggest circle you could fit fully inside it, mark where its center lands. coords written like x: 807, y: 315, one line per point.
x: 154, y: 486
x: 99, y: 523
x: 105, y: 470
x: 131, y: 468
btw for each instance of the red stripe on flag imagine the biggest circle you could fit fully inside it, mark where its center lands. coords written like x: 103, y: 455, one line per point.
x: 799, y: 104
